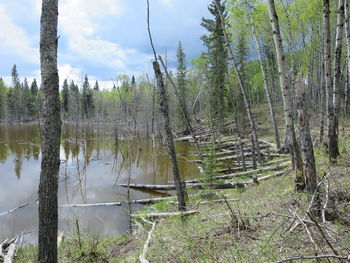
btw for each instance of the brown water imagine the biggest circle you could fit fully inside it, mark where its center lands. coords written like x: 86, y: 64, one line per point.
x: 92, y: 167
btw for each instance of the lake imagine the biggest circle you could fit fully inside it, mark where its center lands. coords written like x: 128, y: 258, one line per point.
x: 92, y: 166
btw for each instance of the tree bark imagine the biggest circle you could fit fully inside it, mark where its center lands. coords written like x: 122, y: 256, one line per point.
x: 290, y: 142
x: 50, y: 129
x: 305, y: 138
x: 333, y: 148
x: 347, y: 36
x: 169, y: 136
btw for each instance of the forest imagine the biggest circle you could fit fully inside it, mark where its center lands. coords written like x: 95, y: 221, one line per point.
x: 240, y: 154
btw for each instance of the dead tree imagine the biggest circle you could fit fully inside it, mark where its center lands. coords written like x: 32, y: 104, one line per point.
x: 305, y: 138
x: 50, y: 129
x: 164, y: 109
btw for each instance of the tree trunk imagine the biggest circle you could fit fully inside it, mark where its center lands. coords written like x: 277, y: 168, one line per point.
x: 305, y: 138
x: 50, y: 134
x: 164, y: 109
x: 333, y: 148
x: 263, y: 72
x: 347, y: 35
x: 290, y: 142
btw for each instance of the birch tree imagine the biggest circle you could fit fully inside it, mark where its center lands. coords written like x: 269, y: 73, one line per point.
x: 290, y: 139
x: 333, y: 115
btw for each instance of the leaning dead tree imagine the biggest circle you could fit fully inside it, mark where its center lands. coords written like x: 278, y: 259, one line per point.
x: 50, y: 129
x: 290, y: 140
x: 164, y: 109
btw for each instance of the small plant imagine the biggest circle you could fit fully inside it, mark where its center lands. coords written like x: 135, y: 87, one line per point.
x: 210, y: 168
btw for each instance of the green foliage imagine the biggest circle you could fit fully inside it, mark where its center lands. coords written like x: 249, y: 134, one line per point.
x: 210, y: 167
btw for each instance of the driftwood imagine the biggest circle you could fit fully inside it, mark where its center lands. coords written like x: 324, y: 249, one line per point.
x: 151, y: 200
x: 225, y: 152
x: 167, y: 214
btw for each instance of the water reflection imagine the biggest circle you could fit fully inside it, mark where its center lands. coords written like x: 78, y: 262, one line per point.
x: 92, y: 165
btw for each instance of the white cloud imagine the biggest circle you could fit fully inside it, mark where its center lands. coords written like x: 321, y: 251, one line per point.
x: 166, y: 2
x: 15, y: 39
x: 77, y: 21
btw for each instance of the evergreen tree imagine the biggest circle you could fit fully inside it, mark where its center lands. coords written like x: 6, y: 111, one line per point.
x: 96, y: 87
x: 26, y: 98
x: 3, y: 102
x: 33, y: 105
x: 182, y: 110
x: 217, y: 58
x: 65, y: 99
x: 87, y: 99
x: 15, y: 95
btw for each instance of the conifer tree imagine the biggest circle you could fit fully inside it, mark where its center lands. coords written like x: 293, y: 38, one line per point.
x: 182, y: 110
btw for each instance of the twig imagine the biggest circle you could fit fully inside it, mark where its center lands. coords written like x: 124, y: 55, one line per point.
x: 323, y: 210
x: 323, y: 234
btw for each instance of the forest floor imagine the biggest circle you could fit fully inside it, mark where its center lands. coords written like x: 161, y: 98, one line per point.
x: 267, y: 222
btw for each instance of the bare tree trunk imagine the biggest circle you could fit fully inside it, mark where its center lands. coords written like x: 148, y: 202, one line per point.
x: 347, y: 36
x: 305, y: 138
x: 164, y: 109
x: 290, y: 142
x: 333, y: 148
x: 263, y: 72
x: 50, y: 134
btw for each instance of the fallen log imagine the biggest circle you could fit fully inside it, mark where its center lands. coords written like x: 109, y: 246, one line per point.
x: 151, y: 200
x: 167, y: 187
x: 228, y: 176
x: 235, y: 169
x: 14, y: 209
x: 225, y: 185
x: 225, y: 152
x: 90, y: 205
x: 167, y: 214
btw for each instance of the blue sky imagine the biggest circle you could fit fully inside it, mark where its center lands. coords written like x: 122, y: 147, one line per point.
x: 101, y: 38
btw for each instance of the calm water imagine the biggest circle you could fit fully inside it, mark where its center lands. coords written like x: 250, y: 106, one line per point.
x: 92, y: 167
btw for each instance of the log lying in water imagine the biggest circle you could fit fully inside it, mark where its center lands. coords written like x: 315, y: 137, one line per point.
x: 168, y: 214
x: 151, y: 200
x: 167, y: 187
x: 14, y: 209
x: 90, y: 205
x: 251, y: 172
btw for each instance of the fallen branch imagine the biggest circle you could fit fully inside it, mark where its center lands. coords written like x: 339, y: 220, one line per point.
x: 168, y: 214
x: 14, y: 209
x: 313, y: 257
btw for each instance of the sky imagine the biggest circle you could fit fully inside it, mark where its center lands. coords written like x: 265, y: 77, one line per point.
x: 100, y: 38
